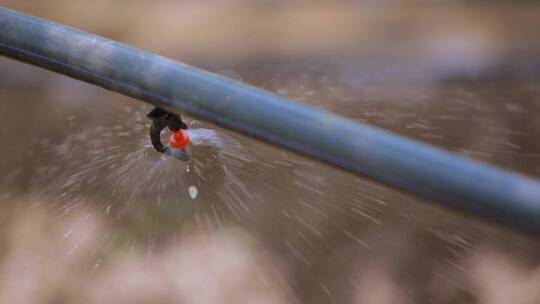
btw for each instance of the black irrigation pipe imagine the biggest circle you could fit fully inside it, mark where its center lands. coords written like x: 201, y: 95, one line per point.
x: 475, y: 188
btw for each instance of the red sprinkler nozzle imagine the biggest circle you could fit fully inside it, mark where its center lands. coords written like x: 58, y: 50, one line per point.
x: 179, y: 139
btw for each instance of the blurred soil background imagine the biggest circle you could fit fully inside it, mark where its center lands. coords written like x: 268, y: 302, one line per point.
x: 91, y: 214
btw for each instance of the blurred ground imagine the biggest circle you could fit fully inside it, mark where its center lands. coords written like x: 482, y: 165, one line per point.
x: 90, y: 214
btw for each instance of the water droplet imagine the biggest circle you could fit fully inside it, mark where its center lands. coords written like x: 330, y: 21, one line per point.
x: 68, y: 234
x: 193, y: 192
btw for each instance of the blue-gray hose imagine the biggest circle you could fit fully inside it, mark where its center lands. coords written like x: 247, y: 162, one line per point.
x: 475, y: 188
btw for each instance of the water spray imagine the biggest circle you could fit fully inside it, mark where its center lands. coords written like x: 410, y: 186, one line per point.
x: 178, y: 146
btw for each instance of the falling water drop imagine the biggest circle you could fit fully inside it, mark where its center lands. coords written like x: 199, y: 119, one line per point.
x: 193, y: 192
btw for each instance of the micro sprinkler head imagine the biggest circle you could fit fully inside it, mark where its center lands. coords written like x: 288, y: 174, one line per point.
x: 178, y: 141
x: 178, y: 145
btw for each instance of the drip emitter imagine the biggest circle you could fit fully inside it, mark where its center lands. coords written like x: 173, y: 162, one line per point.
x: 178, y: 141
